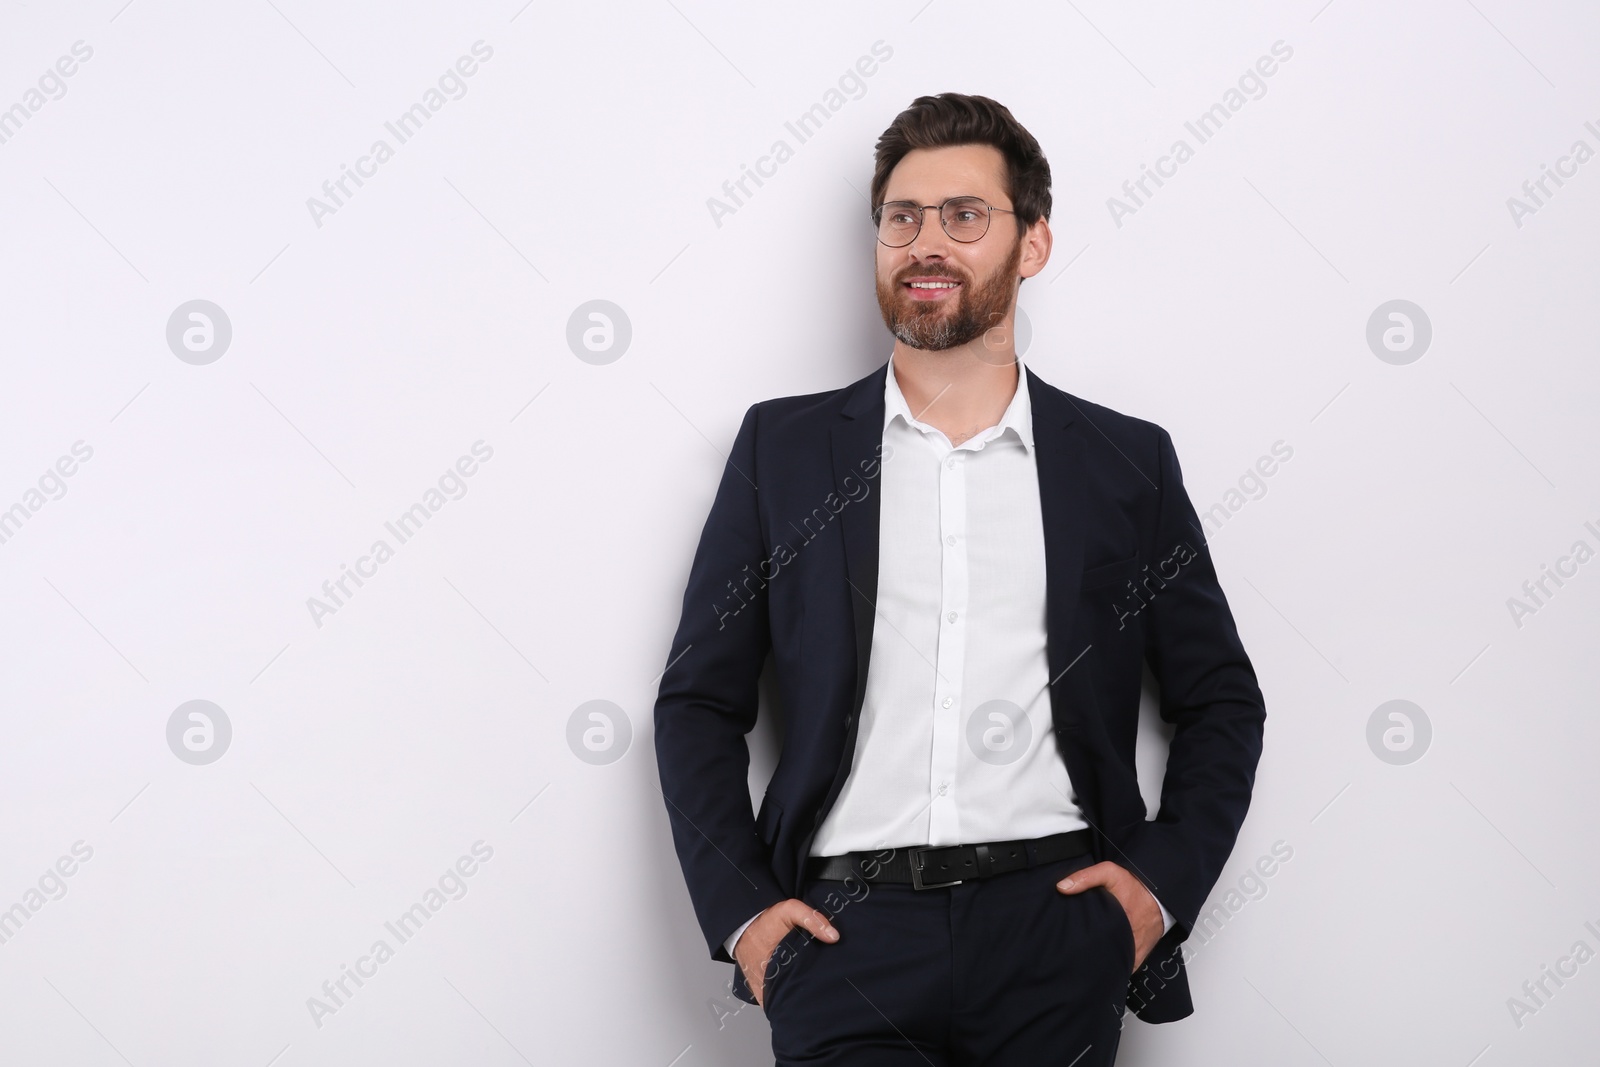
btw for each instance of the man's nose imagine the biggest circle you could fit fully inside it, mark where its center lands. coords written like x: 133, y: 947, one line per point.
x: 931, y: 240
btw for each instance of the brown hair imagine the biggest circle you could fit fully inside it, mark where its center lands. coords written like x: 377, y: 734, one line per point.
x: 958, y: 119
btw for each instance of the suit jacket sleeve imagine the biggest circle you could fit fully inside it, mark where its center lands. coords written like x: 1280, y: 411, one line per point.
x: 707, y: 703
x: 1209, y: 692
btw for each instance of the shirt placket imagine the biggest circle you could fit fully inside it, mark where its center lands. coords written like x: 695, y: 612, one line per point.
x: 944, y: 824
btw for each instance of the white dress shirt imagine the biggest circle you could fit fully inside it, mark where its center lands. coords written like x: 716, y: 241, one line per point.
x: 956, y: 743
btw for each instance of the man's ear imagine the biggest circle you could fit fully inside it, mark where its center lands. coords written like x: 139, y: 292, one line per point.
x: 1037, y: 243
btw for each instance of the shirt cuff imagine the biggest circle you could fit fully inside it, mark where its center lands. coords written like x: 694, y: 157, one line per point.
x: 1166, y: 920
x: 733, y: 939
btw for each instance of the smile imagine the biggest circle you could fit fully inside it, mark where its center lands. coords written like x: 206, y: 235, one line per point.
x: 938, y: 289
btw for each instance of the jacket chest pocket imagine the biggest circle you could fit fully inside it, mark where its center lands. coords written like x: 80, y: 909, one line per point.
x: 1115, y: 573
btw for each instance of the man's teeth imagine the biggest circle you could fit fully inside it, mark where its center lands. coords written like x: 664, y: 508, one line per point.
x: 933, y: 285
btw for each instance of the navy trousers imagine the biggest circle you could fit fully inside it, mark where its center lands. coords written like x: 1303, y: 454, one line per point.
x: 994, y: 972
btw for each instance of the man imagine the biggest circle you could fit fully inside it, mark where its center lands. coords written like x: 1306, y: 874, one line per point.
x: 959, y: 572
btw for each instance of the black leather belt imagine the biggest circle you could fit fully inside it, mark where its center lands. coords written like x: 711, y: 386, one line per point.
x: 933, y: 866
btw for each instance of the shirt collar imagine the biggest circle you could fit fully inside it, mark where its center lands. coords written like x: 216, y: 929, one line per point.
x: 1018, y: 415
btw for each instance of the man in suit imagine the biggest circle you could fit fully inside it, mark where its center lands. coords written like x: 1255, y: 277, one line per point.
x: 959, y: 572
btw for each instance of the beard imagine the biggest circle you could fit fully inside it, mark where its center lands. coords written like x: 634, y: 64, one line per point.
x: 935, y: 326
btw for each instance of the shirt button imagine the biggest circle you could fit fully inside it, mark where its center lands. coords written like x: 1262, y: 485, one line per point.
x: 951, y: 463
x: 950, y: 539
x: 950, y: 617
x: 943, y: 786
x: 948, y: 702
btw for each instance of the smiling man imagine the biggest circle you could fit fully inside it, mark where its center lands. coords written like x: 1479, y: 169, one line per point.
x: 959, y: 572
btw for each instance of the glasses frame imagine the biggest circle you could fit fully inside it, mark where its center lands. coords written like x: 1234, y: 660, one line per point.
x: 877, y: 219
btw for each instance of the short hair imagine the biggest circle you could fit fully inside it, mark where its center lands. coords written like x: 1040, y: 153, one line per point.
x: 958, y: 119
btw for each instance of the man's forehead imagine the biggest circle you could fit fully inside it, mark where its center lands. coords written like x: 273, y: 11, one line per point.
x: 956, y: 170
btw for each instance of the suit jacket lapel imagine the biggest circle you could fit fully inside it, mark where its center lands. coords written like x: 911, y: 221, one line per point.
x: 856, y: 439
x: 1062, y: 489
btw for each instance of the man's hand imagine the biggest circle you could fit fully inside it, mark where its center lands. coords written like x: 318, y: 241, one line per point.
x: 1144, y: 914
x: 754, y: 948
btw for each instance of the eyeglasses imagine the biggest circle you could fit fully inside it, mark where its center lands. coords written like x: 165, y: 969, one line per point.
x: 964, y: 218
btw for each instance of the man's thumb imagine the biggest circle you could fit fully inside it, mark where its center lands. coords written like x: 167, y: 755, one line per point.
x: 1079, y: 880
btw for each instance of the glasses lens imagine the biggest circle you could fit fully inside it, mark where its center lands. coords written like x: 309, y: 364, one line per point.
x: 898, y: 223
x: 966, y: 218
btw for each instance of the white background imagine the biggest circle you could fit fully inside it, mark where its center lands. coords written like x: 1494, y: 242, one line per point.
x: 431, y: 710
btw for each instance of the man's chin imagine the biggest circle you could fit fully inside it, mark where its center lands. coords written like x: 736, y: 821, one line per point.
x: 928, y: 329
x: 930, y: 343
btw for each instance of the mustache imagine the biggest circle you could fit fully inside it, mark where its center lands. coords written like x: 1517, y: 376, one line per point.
x: 928, y: 272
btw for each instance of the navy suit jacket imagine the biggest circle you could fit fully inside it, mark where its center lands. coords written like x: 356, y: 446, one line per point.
x: 788, y: 565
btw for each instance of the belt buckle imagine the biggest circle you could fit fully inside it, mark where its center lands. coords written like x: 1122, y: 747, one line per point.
x: 916, y: 869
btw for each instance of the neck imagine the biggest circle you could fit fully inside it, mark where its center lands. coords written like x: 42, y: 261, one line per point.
x: 960, y: 390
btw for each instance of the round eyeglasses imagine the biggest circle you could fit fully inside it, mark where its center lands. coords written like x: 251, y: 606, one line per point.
x: 964, y: 218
